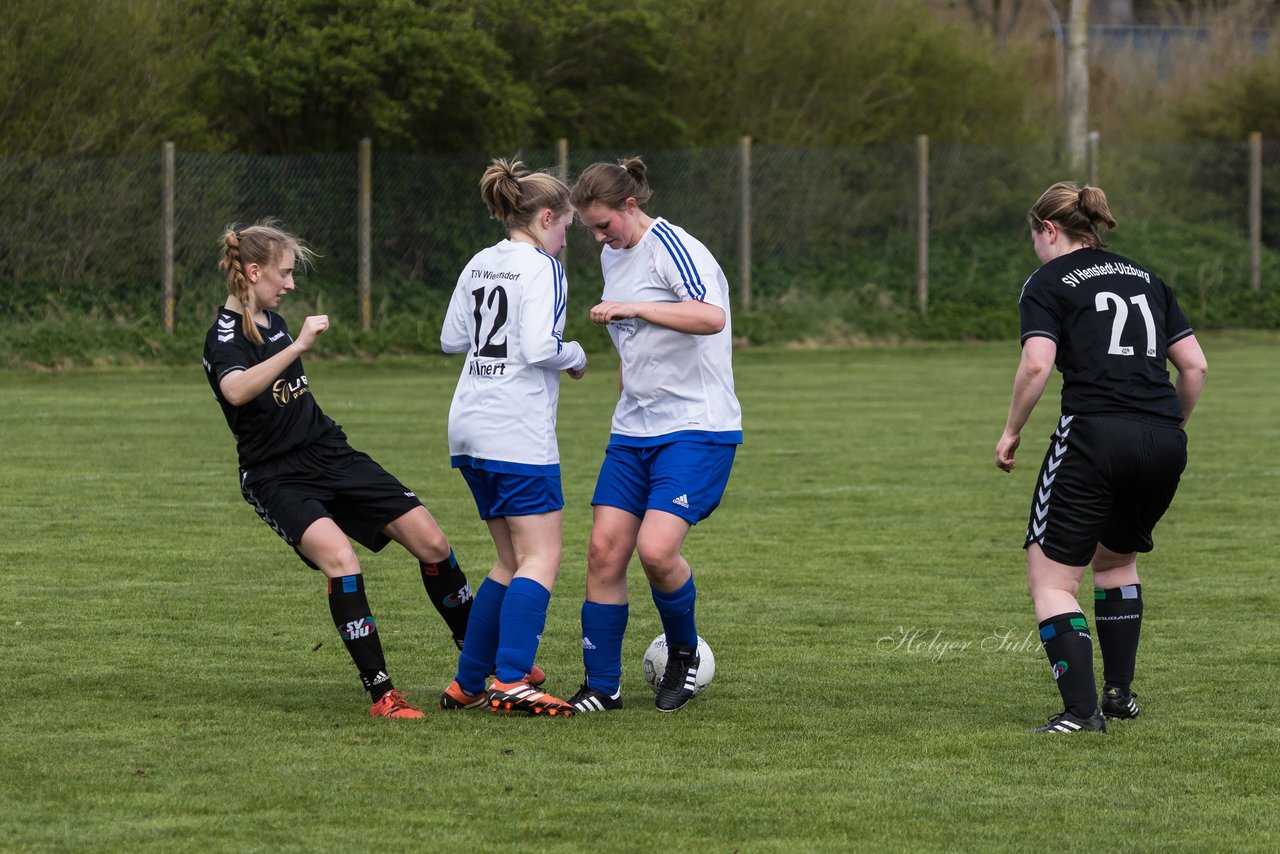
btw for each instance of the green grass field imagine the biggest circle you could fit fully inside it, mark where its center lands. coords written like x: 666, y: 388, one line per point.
x: 173, y: 680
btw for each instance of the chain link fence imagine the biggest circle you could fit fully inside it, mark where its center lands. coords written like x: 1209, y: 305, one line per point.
x: 834, y: 227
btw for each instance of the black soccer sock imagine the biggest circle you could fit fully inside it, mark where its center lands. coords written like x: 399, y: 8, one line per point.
x: 1117, y: 612
x: 449, y: 591
x: 355, y: 624
x: 1067, y: 642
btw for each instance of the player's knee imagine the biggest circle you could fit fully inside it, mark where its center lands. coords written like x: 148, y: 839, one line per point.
x: 435, y: 546
x: 658, y: 557
x: 339, y: 562
x: 607, y: 560
x: 1105, y: 560
x: 420, y: 534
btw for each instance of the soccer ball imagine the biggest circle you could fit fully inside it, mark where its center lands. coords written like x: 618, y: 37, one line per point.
x: 655, y: 661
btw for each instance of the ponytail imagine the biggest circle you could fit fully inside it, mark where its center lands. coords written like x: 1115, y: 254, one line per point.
x: 611, y: 184
x: 1079, y: 212
x: 514, y: 196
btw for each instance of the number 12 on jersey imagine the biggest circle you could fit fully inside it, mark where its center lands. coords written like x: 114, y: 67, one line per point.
x: 498, y: 318
x: 1117, y: 323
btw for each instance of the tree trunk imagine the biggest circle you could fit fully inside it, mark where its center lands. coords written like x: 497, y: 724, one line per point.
x: 1077, y: 130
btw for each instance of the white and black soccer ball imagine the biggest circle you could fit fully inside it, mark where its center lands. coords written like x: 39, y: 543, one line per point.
x: 655, y: 661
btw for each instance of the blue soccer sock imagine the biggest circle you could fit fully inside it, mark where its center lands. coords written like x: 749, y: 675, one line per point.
x: 603, y: 627
x: 524, y: 615
x: 676, y: 610
x: 480, y: 648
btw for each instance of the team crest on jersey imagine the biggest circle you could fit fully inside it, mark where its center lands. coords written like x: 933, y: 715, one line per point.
x: 285, y: 392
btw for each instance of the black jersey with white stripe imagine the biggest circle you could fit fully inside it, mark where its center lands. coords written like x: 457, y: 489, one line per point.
x: 1113, y: 321
x: 285, y: 416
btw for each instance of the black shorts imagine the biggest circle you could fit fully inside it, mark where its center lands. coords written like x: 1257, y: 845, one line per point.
x: 327, y: 479
x: 1105, y: 479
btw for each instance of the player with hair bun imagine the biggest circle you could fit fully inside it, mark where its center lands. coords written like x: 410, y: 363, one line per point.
x: 1114, y: 461
x: 297, y: 469
x: 675, y: 429
x: 507, y: 314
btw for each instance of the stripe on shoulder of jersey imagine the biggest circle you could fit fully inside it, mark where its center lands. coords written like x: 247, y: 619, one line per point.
x: 556, y: 266
x: 559, y: 298
x: 683, y: 260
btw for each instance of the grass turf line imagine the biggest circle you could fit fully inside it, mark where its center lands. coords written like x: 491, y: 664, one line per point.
x: 174, y: 680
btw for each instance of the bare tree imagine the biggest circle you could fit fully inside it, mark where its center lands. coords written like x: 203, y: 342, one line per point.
x: 1077, y: 87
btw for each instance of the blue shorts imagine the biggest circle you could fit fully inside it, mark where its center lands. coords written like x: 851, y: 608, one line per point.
x: 499, y: 494
x: 686, y: 479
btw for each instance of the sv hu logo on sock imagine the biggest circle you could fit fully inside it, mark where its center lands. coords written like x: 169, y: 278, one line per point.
x: 1059, y: 669
x: 463, y: 596
x: 357, y: 628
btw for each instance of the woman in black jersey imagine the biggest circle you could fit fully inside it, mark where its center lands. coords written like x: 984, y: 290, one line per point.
x: 296, y: 467
x: 1114, y: 461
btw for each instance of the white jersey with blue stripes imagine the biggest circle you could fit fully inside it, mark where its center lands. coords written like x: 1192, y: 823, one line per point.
x: 674, y: 385
x: 507, y: 315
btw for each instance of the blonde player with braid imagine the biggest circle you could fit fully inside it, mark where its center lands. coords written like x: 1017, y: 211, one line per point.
x: 297, y: 469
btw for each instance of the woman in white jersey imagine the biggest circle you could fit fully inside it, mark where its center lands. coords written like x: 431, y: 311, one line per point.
x: 675, y: 429
x: 507, y: 315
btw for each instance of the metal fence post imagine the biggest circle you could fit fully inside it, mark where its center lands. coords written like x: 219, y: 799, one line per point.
x: 166, y: 253
x: 744, y: 248
x: 365, y: 238
x: 1255, y: 210
x: 922, y: 223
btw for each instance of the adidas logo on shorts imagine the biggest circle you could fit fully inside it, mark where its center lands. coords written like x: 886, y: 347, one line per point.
x: 682, y: 500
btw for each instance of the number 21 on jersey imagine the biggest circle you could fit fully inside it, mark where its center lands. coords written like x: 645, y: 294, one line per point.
x: 1115, y: 301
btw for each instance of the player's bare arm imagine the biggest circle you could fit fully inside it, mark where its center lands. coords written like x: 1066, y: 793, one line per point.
x: 692, y: 317
x: 1193, y: 367
x: 1028, y: 385
x: 240, y: 387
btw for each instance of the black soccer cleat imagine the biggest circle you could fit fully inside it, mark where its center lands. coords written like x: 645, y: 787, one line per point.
x: 1118, y: 703
x: 588, y: 699
x: 679, y: 678
x: 1068, y: 723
